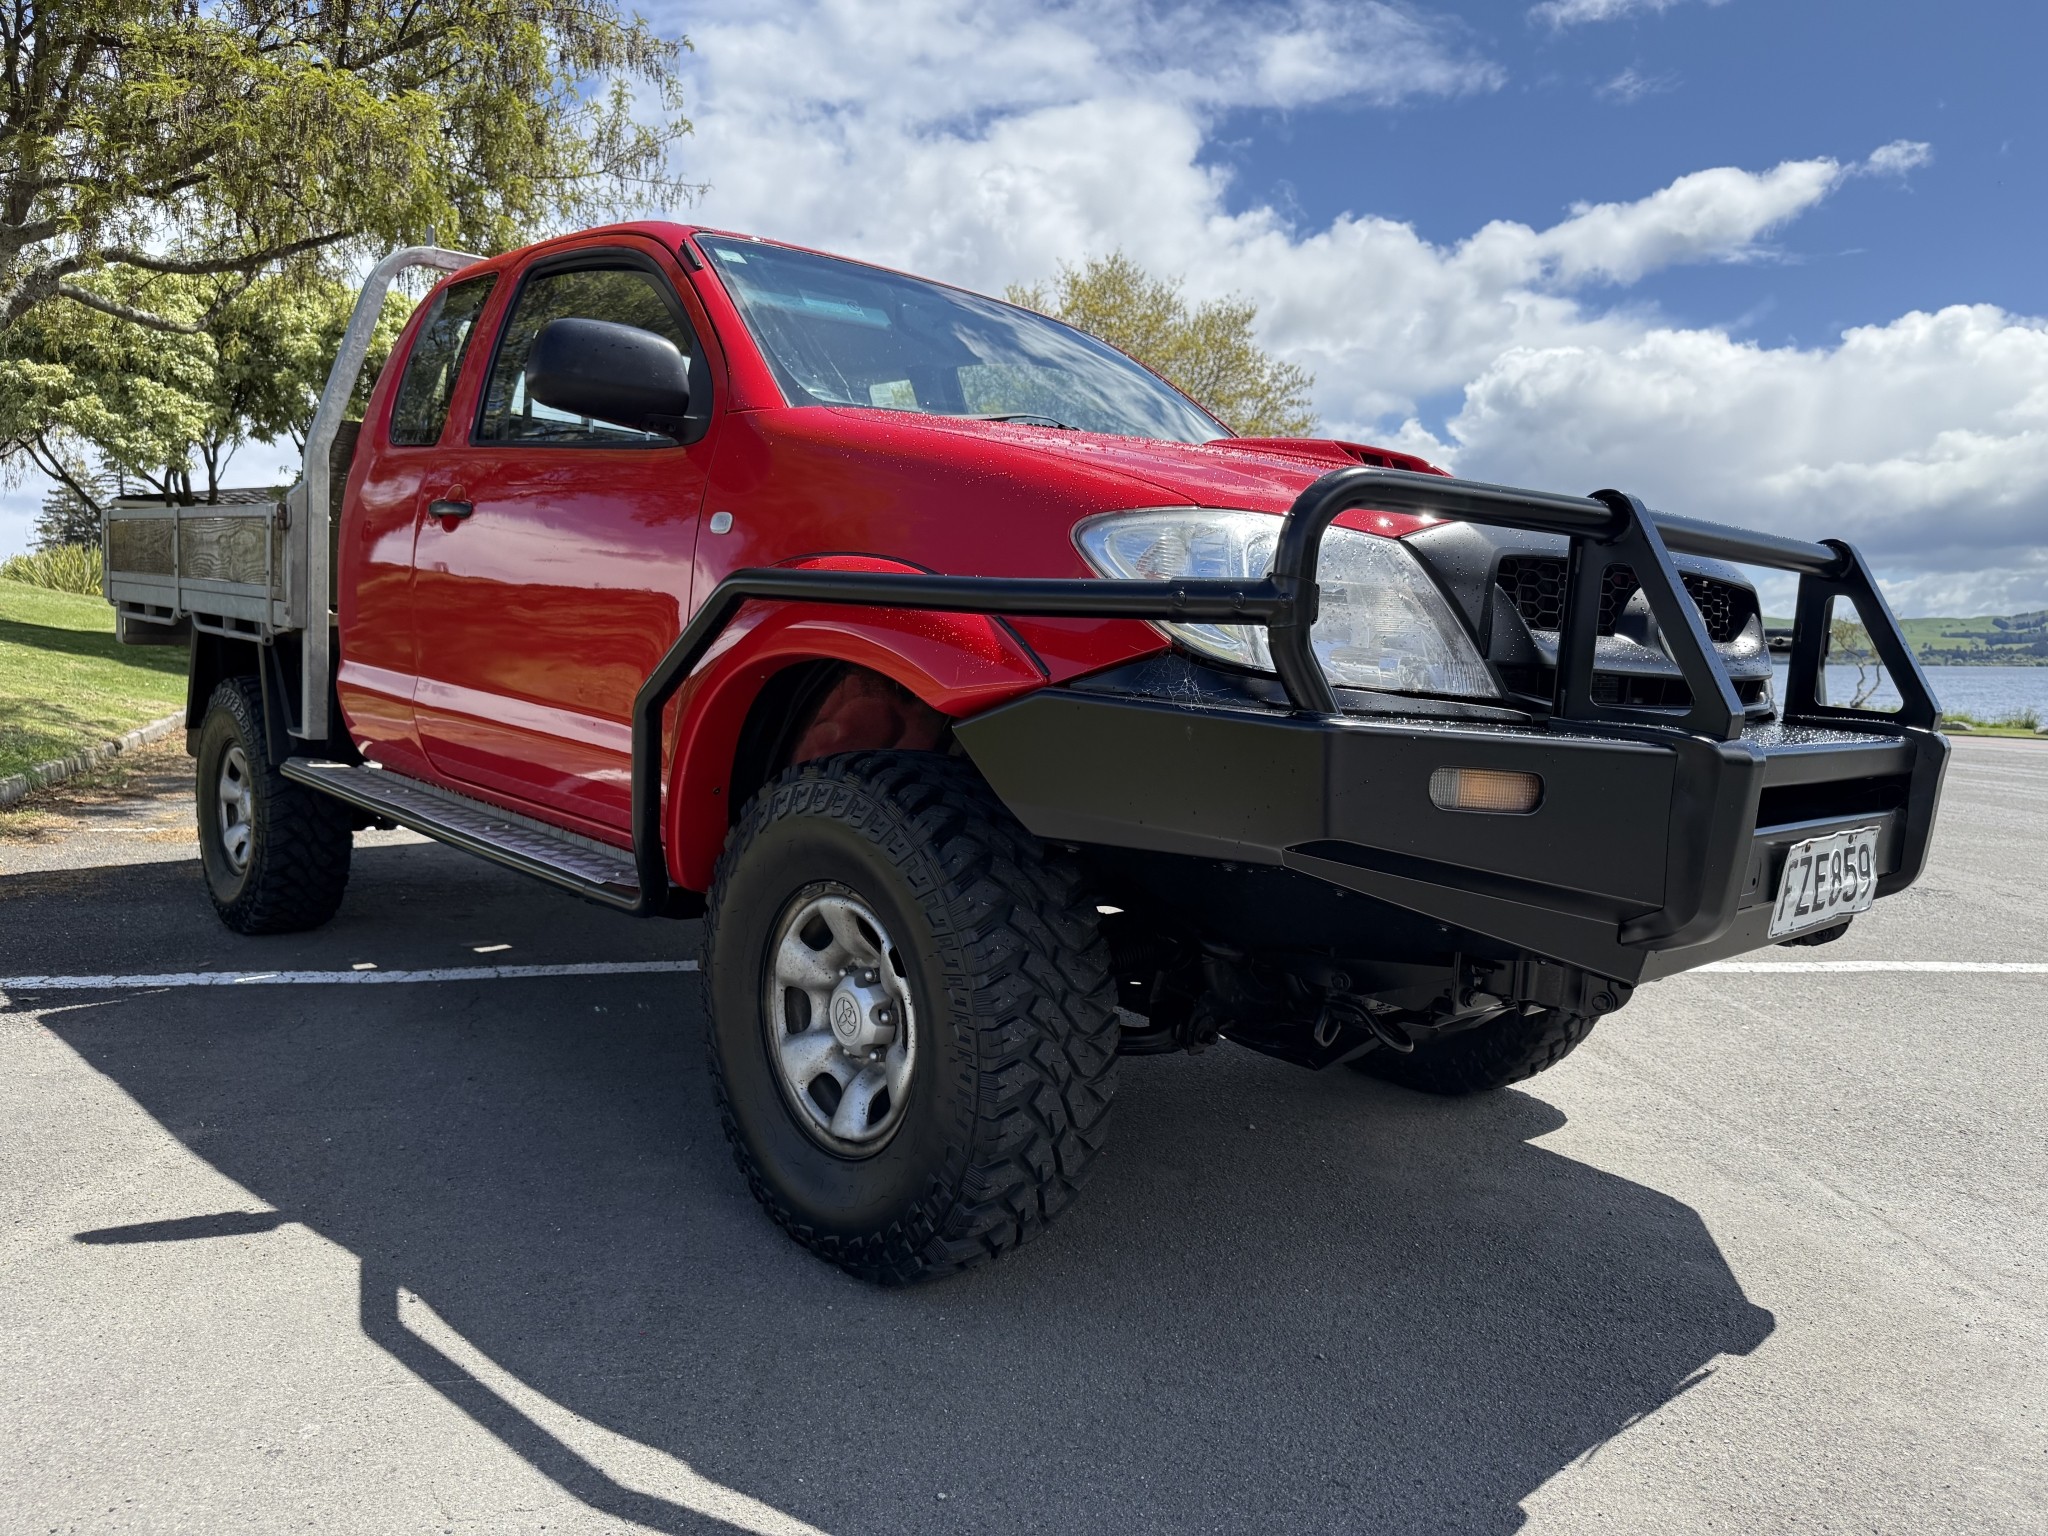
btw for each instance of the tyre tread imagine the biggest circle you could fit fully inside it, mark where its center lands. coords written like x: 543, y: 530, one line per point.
x: 1033, y: 978
x: 302, y: 842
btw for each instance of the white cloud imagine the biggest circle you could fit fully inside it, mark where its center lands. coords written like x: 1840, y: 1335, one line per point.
x: 1716, y: 215
x: 1632, y: 85
x: 968, y: 59
x: 1567, y: 13
x: 1925, y: 440
x: 1899, y: 157
x: 985, y: 144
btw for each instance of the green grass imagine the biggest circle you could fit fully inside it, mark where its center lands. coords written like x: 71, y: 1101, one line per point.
x: 2026, y: 723
x: 66, y: 683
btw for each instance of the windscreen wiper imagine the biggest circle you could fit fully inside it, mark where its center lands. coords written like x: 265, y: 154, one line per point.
x: 1029, y: 418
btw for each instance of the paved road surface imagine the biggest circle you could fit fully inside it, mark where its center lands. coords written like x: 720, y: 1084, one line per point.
x: 1767, y: 1255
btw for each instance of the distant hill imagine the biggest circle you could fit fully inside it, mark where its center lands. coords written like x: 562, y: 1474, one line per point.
x: 2011, y: 640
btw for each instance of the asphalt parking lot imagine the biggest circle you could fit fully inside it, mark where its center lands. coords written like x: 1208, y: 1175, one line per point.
x: 471, y: 1256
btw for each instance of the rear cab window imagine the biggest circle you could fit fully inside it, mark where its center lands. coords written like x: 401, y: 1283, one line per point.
x: 427, y: 387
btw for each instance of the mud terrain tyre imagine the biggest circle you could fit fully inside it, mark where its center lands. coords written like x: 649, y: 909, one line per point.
x: 895, y: 886
x: 275, y: 853
x: 1503, y: 1051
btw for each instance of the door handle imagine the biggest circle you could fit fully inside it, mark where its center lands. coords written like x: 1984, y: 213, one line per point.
x: 454, y: 509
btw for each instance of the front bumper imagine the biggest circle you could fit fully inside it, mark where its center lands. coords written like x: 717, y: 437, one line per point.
x: 1652, y: 851
x: 1666, y: 821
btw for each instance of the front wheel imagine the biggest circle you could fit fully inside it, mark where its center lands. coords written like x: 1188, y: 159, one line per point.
x: 912, y: 1021
x: 1492, y: 1055
x: 275, y: 853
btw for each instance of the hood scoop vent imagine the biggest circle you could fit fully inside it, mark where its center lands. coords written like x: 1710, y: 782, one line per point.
x: 1326, y: 450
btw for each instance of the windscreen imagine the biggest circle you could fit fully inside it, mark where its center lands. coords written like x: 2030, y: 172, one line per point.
x: 839, y: 333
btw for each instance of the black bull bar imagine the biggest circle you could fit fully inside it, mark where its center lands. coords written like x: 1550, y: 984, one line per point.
x: 1710, y: 843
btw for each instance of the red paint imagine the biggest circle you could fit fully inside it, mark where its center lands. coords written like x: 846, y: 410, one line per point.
x: 500, y: 654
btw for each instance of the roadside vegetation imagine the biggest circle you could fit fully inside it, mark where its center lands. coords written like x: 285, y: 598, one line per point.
x: 2026, y: 722
x: 66, y: 683
x: 58, y: 568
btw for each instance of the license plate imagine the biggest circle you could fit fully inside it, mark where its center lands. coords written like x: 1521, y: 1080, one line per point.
x: 1826, y: 879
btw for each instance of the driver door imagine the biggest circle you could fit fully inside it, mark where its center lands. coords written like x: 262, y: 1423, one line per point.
x: 552, y: 565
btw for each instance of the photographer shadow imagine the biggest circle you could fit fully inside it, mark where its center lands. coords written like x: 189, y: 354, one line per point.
x: 1286, y: 1302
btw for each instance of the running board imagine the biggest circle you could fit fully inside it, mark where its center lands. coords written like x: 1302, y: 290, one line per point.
x: 591, y: 869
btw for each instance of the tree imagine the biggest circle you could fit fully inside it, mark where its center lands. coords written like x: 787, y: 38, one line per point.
x: 272, y: 348
x: 205, y: 138
x: 70, y: 516
x: 1849, y: 645
x: 1207, y: 351
x: 81, y: 386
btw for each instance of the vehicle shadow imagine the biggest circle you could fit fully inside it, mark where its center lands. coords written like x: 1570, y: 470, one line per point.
x: 1286, y: 1302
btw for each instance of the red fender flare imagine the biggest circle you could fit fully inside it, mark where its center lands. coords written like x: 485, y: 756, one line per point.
x: 959, y: 664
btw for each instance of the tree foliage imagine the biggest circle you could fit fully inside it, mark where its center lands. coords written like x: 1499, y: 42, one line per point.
x: 183, y: 184
x: 86, y: 394
x: 71, y: 513
x: 183, y: 138
x: 1207, y: 350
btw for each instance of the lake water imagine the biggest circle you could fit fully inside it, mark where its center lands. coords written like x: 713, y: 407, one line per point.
x: 1988, y: 693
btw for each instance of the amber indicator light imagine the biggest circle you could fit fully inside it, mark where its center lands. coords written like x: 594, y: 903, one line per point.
x: 1485, y: 789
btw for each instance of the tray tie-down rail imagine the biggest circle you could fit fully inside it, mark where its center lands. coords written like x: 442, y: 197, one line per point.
x: 1608, y: 528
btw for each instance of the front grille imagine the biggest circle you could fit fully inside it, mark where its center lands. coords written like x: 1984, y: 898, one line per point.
x: 1725, y: 608
x: 1535, y: 585
x: 1536, y: 588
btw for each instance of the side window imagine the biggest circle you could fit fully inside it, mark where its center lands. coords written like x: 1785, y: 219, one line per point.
x: 435, y: 363
x: 625, y: 295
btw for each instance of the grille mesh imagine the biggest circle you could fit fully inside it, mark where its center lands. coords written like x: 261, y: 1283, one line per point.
x: 1535, y: 585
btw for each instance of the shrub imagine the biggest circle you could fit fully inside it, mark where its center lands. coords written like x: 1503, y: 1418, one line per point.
x: 65, y: 568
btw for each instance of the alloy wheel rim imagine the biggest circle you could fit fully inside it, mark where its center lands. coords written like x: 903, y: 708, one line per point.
x: 231, y: 809
x: 841, y: 1029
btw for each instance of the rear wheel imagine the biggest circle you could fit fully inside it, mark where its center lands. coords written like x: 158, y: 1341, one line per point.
x: 1492, y: 1055
x: 275, y: 853
x: 912, y: 1022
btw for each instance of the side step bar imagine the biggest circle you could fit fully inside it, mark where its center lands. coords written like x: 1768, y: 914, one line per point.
x: 591, y: 869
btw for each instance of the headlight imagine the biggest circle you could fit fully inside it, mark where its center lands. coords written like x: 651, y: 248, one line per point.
x: 1382, y: 622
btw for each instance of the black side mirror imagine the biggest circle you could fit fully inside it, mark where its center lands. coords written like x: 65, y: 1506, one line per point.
x: 612, y: 373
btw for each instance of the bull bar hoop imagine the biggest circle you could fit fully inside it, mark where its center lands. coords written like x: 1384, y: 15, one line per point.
x: 1608, y: 528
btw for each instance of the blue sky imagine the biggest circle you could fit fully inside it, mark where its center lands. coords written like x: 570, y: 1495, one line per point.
x: 1604, y: 111
x: 1769, y: 261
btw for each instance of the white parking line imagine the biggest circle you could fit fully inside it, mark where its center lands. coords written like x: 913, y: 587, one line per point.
x: 1849, y: 967
x: 341, y: 978
x: 670, y: 967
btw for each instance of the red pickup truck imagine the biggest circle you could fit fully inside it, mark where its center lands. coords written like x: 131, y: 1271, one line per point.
x: 999, y: 712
